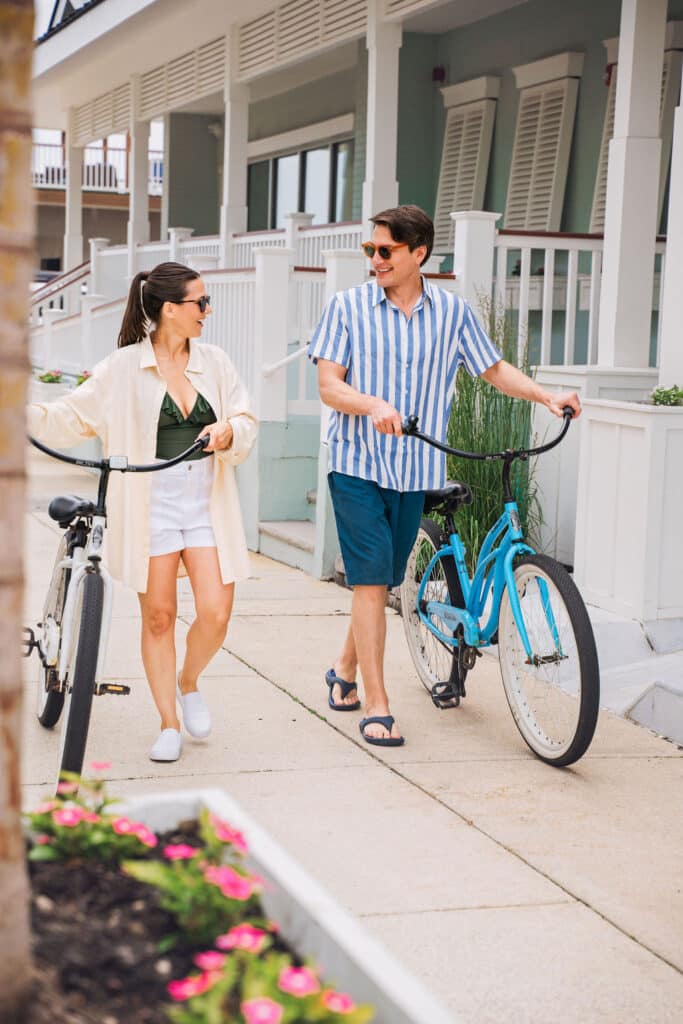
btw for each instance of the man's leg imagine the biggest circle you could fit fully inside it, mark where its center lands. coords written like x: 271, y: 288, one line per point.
x: 369, y: 626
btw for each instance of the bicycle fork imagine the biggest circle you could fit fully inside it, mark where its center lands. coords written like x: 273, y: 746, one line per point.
x: 532, y: 658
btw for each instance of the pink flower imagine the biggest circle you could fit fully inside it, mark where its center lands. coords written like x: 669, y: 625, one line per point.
x: 144, y: 834
x: 298, y: 981
x: 43, y: 840
x: 91, y: 816
x: 242, y: 936
x: 180, y: 852
x: 185, y: 988
x: 98, y: 766
x: 337, y: 1002
x: 45, y: 807
x: 69, y: 816
x: 122, y: 826
x: 210, y: 961
x: 67, y: 787
x: 262, y: 1011
x: 230, y: 882
x: 227, y: 834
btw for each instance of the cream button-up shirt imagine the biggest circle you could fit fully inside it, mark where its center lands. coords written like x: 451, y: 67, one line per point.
x: 120, y: 403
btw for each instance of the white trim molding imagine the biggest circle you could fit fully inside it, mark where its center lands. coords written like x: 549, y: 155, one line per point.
x: 562, y: 65
x: 332, y: 130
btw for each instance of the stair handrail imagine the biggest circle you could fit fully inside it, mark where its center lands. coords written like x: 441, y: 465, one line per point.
x: 270, y: 368
x: 57, y: 284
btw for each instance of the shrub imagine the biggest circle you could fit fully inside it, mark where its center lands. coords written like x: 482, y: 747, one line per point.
x: 51, y: 377
x: 668, y: 396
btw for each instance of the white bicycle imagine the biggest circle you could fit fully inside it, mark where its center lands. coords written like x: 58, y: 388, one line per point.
x: 71, y: 638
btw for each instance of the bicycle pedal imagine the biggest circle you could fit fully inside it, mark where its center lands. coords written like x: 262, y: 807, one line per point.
x: 118, y: 689
x: 444, y: 696
x: 29, y: 642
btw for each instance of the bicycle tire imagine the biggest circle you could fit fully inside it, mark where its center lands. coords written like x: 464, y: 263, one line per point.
x: 554, y: 702
x: 81, y: 682
x: 51, y: 702
x: 432, y: 660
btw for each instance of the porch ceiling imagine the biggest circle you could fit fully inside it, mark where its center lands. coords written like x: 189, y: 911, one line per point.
x: 456, y: 13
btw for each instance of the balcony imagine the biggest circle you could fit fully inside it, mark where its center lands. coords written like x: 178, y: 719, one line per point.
x: 104, y: 170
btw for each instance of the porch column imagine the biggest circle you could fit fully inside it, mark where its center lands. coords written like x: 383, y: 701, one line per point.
x: 380, y: 188
x: 73, y: 219
x: 235, y: 136
x: 345, y: 268
x: 632, y: 188
x: 138, y: 183
x: 475, y: 235
x: 671, y: 342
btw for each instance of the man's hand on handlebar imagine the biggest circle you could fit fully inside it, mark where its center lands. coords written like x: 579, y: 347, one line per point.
x: 557, y: 404
x: 385, y: 418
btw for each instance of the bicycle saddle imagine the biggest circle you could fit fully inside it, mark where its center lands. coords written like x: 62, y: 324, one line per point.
x: 448, y: 498
x: 66, y: 507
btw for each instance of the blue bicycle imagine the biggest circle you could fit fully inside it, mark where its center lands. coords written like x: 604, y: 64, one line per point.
x: 524, y: 602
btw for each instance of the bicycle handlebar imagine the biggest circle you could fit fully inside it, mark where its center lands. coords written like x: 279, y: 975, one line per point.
x: 120, y: 462
x: 409, y: 427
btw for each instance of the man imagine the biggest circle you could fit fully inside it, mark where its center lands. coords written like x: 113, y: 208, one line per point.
x: 385, y: 350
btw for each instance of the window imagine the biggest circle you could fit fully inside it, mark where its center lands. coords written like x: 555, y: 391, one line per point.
x: 317, y: 180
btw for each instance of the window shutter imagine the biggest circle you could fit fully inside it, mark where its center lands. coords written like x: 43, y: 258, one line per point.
x: 540, y: 157
x: 464, y: 166
x: 671, y: 72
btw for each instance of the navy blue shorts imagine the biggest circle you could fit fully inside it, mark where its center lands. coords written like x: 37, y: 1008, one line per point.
x: 377, y: 528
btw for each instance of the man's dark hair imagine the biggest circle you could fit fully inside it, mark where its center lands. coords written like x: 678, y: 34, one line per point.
x: 408, y: 224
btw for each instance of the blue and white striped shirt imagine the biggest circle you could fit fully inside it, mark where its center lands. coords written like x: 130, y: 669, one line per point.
x: 411, y: 364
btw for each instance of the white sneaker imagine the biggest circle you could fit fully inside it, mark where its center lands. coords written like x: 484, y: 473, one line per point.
x: 168, y: 747
x: 196, y: 715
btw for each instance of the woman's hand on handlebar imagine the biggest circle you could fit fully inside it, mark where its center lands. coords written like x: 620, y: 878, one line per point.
x: 220, y: 436
x: 567, y: 400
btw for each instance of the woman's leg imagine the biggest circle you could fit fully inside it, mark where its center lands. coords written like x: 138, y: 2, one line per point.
x: 159, y: 607
x: 213, y: 604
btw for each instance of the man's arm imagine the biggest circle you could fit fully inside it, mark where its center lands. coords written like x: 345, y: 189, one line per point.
x: 335, y: 392
x: 513, y: 382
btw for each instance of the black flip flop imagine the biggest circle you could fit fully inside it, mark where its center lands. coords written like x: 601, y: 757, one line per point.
x: 332, y: 679
x: 381, y: 741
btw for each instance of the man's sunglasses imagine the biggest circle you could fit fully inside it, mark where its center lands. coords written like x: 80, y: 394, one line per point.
x: 203, y: 302
x: 385, y: 251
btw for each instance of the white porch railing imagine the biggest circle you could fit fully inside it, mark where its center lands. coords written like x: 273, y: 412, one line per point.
x: 314, y: 240
x: 538, y: 276
x: 243, y: 245
x: 231, y: 324
x: 63, y: 293
x: 101, y: 172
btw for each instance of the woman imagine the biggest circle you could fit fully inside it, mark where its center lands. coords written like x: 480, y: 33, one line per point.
x: 151, y: 399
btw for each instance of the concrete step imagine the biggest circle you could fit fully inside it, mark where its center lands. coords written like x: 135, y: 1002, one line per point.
x: 289, y: 541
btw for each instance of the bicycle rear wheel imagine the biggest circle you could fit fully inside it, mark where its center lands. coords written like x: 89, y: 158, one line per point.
x: 432, y: 659
x: 554, y: 696
x: 81, y: 680
x: 50, y: 702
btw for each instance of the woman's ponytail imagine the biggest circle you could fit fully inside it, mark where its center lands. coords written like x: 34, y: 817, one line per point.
x: 135, y: 320
x: 148, y: 292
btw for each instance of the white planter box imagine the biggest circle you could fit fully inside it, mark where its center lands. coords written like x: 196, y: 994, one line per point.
x: 556, y: 473
x: 629, y: 541
x: 308, y: 918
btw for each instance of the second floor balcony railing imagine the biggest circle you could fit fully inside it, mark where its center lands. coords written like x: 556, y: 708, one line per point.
x: 103, y: 170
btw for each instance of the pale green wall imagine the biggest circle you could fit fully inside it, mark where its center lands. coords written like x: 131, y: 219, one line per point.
x: 317, y: 101
x: 416, y: 162
x: 191, y: 198
x: 288, y: 468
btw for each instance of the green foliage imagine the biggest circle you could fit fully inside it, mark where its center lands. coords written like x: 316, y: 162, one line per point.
x: 51, y: 377
x: 668, y: 396
x: 82, y: 377
x: 77, y: 826
x: 485, y: 420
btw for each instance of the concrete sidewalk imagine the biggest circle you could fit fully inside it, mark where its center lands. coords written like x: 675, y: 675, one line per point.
x: 515, y: 891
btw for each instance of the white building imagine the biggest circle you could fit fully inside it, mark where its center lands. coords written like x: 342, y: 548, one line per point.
x: 286, y: 125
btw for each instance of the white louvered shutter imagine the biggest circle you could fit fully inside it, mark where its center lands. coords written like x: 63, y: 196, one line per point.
x: 540, y: 157
x: 102, y: 116
x: 668, y: 98
x: 464, y: 166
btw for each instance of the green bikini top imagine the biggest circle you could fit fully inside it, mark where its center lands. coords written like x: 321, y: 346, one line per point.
x: 176, y: 432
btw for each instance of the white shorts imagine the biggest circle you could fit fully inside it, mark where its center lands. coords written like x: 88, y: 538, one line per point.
x: 179, y: 508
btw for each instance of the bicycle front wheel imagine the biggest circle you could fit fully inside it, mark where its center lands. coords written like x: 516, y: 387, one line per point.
x: 49, y: 700
x: 81, y: 680
x: 554, y: 695
x: 432, y: 659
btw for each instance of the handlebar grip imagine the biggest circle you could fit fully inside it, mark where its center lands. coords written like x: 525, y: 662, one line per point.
x: 203, y: 441
x: 568, y: 412
x: 409, y: 425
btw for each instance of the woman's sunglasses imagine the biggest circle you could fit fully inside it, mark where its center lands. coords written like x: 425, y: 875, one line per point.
x: 203, y: 302
x: 385, y: 251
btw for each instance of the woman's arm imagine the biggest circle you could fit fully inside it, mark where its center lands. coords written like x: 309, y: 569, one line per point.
x: 73, y: 417
x: 233, y: 436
